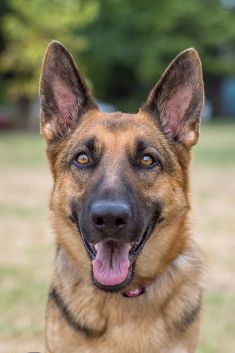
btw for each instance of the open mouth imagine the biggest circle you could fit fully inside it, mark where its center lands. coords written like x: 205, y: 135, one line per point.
x: 113, y: 261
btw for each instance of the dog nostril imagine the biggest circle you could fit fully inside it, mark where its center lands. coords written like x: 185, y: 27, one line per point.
x: 119, y: 222
x: 99, y: 222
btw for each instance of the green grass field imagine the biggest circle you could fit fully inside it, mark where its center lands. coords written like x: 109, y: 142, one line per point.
x: 27, y: 249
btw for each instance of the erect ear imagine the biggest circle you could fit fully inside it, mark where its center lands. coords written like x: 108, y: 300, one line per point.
x: 178, y: 97
x: 63, y: 93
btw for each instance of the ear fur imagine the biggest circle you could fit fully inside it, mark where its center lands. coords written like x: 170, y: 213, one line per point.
x: 63, y: 94
x: 178, y: 97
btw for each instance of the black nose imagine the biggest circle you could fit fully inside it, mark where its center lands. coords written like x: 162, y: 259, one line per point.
x: 110, y: 216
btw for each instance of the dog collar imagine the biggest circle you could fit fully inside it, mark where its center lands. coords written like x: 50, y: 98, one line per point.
x: 136, y: 292
x: 132, y: 293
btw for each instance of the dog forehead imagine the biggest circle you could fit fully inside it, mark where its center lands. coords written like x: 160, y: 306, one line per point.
x: 119, y: 125
x: 116, y: 121
x: 116, y: 132
x: 120, y: 121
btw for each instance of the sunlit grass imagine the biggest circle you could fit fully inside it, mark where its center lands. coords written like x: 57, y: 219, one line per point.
x: 219, y: 323
x: 22, y: 150
x: 216, y: 147
x: 22, y: 300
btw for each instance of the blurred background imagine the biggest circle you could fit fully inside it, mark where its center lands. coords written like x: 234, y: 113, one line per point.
x: 122, y: 47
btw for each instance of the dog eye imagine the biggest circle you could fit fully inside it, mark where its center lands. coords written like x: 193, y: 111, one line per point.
x: 82, y: 158
x: 147, y: 160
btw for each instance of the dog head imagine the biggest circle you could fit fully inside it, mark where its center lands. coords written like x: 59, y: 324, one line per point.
x: 120, y: 197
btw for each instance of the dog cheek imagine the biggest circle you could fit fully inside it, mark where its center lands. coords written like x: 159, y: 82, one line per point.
x: 65, y: 225
x: 70, y: 240
x: 173, y: 197
x: 178, y: 202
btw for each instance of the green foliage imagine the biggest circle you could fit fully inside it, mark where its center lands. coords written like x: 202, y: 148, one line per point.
x: 133, y: 41
x: 28, y: 28
x: 124, y: 45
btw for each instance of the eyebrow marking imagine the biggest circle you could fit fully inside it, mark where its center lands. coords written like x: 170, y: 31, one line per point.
x: 140, y: 145
x: 90, y: 143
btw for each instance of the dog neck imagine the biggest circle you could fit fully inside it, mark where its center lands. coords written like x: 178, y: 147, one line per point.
x: 90, y: 311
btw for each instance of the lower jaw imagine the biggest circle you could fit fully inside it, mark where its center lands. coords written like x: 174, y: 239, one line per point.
x: 132, y: 257
x: 116, y: 287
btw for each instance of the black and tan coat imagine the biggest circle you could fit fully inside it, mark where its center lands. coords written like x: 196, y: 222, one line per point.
x: 120, y: 210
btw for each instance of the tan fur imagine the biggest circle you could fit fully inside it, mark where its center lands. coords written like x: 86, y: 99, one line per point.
x: 123, y: 320
x: 166, y: 318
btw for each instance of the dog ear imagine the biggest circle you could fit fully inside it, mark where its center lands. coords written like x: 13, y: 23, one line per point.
x: 178, y: 97
x: 63, y: 93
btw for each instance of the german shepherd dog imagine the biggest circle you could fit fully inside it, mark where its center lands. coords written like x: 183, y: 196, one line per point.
x: 128, y: 276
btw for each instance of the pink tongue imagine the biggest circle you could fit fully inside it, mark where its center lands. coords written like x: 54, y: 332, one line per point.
x: 111, y: 264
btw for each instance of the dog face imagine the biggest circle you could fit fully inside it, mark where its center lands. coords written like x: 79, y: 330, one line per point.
x: 120, y: 180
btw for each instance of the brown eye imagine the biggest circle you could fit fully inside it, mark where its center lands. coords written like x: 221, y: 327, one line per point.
x: 147, y: 160
x: 82, y: 158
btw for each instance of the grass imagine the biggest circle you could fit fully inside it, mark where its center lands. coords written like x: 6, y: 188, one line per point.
x: 27, y: 246
x: 22, y: 150
x: 217, y: 145
x: 219, y: 323
x: 19, y: 211
x: 22, y: 296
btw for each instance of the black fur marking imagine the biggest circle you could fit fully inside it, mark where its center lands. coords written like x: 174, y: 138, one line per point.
x: 188, y: 316
x: 68, y: 316
x: 88, y: 145
x: 141, y: 146
x: 74, y: 219
x: 161, y: 152
x: 74, y: 211
x: 158, y: 208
